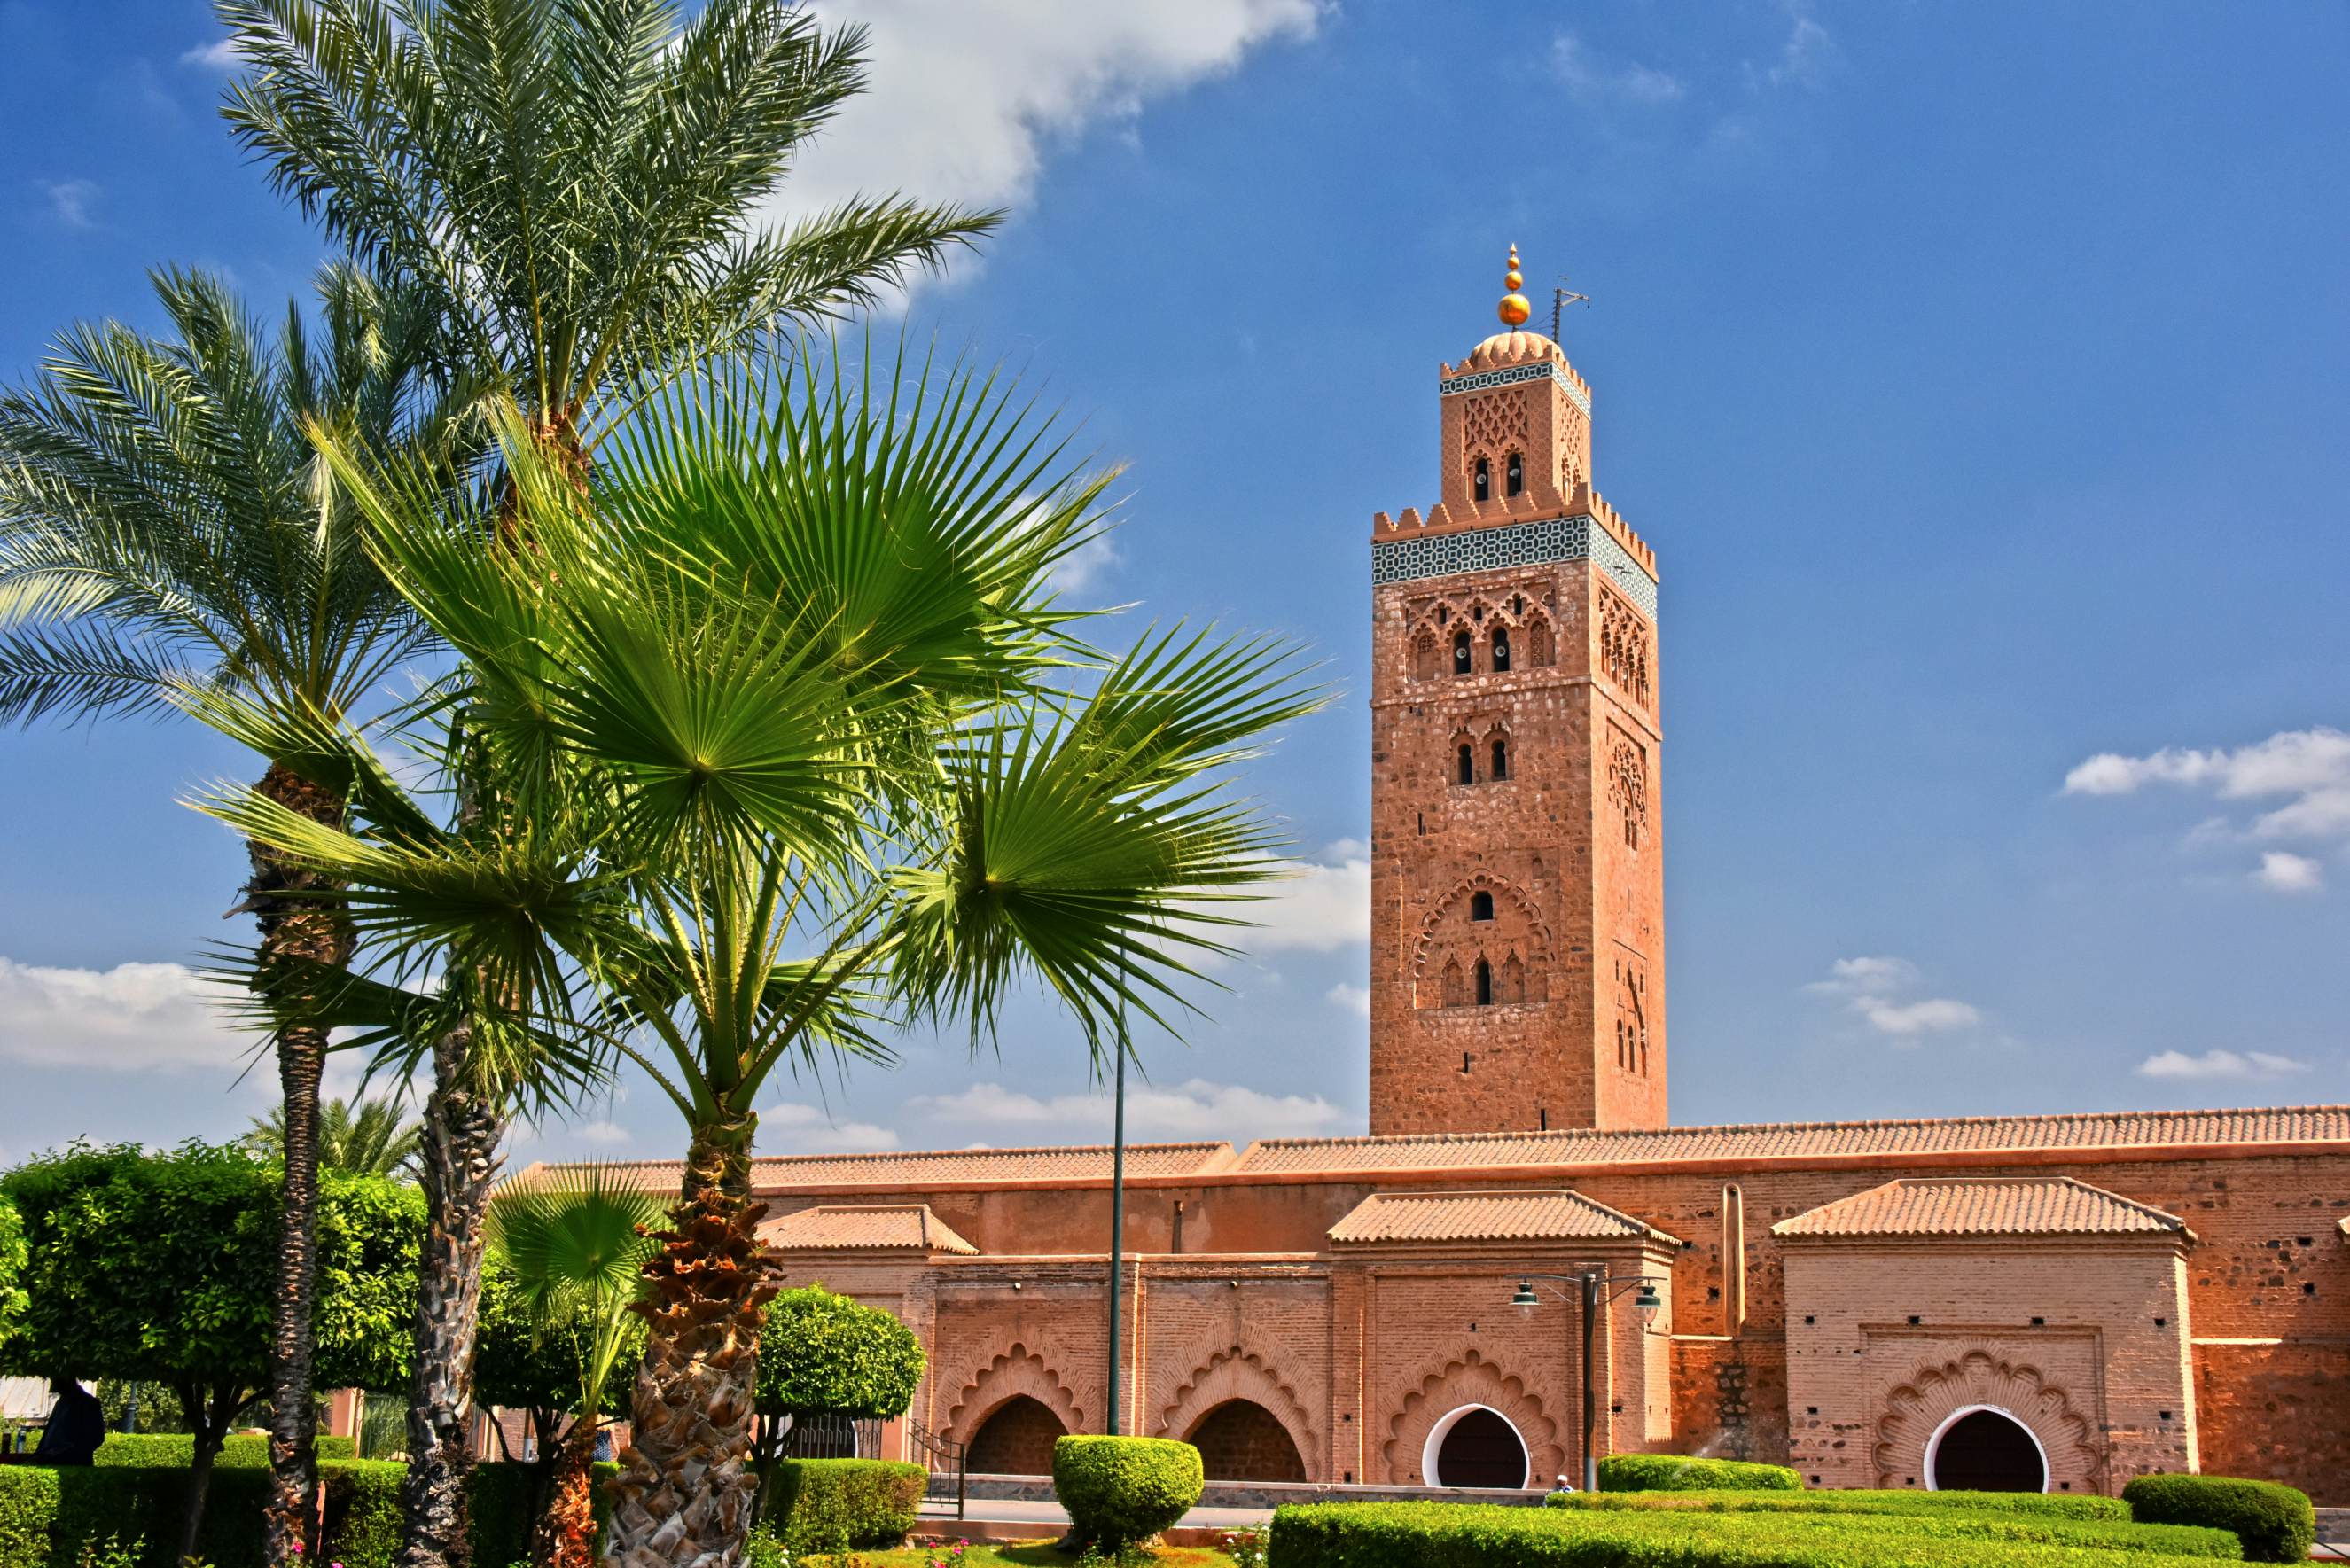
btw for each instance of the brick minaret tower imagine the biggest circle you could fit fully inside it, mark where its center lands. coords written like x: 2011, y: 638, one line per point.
x: 1517, y: 884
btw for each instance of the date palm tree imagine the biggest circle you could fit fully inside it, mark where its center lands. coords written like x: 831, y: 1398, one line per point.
x: 367, y: 1138
x: 167, y: 528
x: 576, y: 1244
x: 577, y: 189
x: 795, y: 656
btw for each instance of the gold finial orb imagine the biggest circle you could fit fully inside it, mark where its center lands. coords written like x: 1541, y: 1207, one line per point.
x: 1514, y: 308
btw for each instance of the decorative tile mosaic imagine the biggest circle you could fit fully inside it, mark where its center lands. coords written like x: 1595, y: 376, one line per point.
x: 1478, y: 380
x: 1515, y: 545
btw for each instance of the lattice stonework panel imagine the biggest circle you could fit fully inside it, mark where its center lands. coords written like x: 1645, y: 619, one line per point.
x: 1541, y: 369
x: 1514, y: 545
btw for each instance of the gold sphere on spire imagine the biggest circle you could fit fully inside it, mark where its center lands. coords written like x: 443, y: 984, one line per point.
x: 1513, y: 308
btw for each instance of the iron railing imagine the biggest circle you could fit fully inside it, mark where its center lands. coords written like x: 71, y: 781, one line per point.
x: 826, y: 1435
x: 945, y: 1458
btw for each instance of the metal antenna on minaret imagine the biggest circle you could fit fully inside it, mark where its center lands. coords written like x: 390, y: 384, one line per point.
x: 1559, y: 296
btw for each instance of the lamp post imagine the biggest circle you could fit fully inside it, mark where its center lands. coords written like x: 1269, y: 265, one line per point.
x: 1116, y: 1206
x: 1597, y: 1288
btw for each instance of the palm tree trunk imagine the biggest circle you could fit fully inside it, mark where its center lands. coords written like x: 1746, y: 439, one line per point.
x: 295, y: 924
x: 564, y: 1533
x: 686, y: 1487
x: 458, y: 1158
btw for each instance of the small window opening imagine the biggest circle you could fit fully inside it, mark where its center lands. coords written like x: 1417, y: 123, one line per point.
x: 1422, y: 817
x: 1467, y: 766
x: 1463, y: 662
x: 1500, y: 760
x: 1482, y: 485
x: 1464, y: 1063
x: 1541, y: 1116
x: 1516, y: 475
x: 1500, y: 649
x: 1481, y: 906
x: 1518, y: 606
x: 1484, y: 983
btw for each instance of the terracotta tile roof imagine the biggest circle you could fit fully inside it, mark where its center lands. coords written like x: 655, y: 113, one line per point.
x: 1983, y: 1205
x: 1802, y: 1140
x: 912, y: 1169
x: 895, y: 1227
x: 1484, y: 1217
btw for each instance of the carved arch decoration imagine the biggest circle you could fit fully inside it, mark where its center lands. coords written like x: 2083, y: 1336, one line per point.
x: 1456, y: 897
x: 1018, y: 1370
x: 1235, y: 1373
x: 1468, y: 1379
x: 1935, y: 1390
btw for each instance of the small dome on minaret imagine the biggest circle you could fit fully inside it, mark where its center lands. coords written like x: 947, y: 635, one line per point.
x: 1513, y: 345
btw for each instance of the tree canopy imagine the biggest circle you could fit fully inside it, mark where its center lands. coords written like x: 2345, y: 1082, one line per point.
x: 823, y: 1352
x: 11, y: 1271
x: 367, y: 1137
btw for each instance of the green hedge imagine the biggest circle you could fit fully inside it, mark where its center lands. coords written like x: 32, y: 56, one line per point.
x: 1673, y: 1472
x: 170, y: 1449
x: 1123, y: 1490
x: 834, y: 1505
x: 2275, y: 1523
x: 45, y: 1515
x: 2051, y: 1505
x: 1470, y: 1535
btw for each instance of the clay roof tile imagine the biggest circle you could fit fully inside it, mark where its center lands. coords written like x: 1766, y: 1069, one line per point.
x: 1983, y: 1205
x: 895, y: 1227
x: 1408, y: 1217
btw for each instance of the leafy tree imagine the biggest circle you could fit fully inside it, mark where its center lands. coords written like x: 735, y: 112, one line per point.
x: 11, y: 1271
x: 367, y: 1138
x: 789, y: 659
x: 573, y: 1246
x: 576, y: 188
x: 162, y: 1268
x: 822, y: 1354
x: 151, y: 1407
x: 168, y: 536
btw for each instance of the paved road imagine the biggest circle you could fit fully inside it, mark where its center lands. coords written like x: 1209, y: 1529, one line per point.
x: 1049, y: 1520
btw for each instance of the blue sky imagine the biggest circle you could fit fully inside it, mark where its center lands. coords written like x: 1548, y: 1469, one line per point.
x: 1978, y: 373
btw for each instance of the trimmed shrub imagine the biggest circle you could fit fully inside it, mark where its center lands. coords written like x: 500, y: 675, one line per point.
x: 1468, y: 1535
x: 178, y: 1450
x: 1118, y: 1491
x: 2276, y: 1523
x: 834, y: 1505
x: 498, y: 1512
x: 1673, y: 1472
x: 360, y: 1502
x: 29, y: 1501
x: 2049, y: 1505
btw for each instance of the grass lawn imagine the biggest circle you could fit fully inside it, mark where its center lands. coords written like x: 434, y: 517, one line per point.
x: 989, y: 1554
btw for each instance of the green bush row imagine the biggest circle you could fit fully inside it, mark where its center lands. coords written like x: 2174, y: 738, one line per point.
x: 2055, y: 1505
x: 834, y: 1505
x: 47, y: 1515
x: 179, y: 1449
x: 1118, y: 1491
x: 1459, y: 1535
x: 1676, y: 1472
x: 2276, y: 1523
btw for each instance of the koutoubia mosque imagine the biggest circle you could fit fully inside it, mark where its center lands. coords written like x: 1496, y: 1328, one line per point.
x: 2057, y: 1301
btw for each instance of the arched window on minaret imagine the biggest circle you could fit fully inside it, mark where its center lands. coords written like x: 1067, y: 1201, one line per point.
x: 1455, y: 992
x: 1500, y: 649
x: 1481, y: 906
x: 1540, y: 647
x: 1514, y: 477
x: 1500, y: 759
x: 1484, y: 983
x: 1423, y: 655
x: 1480, y: 483
x: 1513, y: 980
x: 1467, y: 763
x: 1463, y: 661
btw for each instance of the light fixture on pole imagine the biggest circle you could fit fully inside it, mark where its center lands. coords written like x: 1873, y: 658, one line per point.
x: 1597, y: 1287
x: 1116, y: 1207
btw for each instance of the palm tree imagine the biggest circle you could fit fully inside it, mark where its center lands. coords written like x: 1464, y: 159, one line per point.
x: 169, y: 535
x: 367, y: 1138
x: 793, y: 657
x: 576, y: 1244
x: 575, y: 187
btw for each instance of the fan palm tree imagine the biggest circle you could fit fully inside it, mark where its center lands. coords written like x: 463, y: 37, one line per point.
x: 576, y: 1244
x: 367, y: 1138
x: 576, y: 188
x: 795, y: 653
x: 167, y: 530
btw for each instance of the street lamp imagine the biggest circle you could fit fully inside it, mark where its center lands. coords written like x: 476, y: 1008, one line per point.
x: 1598, y: 1287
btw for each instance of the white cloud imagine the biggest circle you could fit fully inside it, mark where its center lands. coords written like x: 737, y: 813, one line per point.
x: 1592, y: 79
x: 71, y: 201
x: 603, y: 1134
x: 2283, y: 873
x: 789, y: 1127
x: 2311, y: 767
x: 1086, y: 565
x: 2211, y: 1065
x: 1355, y: 999
x: 1323, y: 906
x: 1805, y: 58
x: 1875, y: 988
x: 220, y: 55
x: 134, y: 1017
x: 1196, y: 1109
x: 963, y: 97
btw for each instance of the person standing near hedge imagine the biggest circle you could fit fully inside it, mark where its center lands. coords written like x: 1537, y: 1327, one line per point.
x: 76, y: 1426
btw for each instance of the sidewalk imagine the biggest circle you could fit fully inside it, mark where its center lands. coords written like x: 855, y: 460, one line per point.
x: 1009, y: 1519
